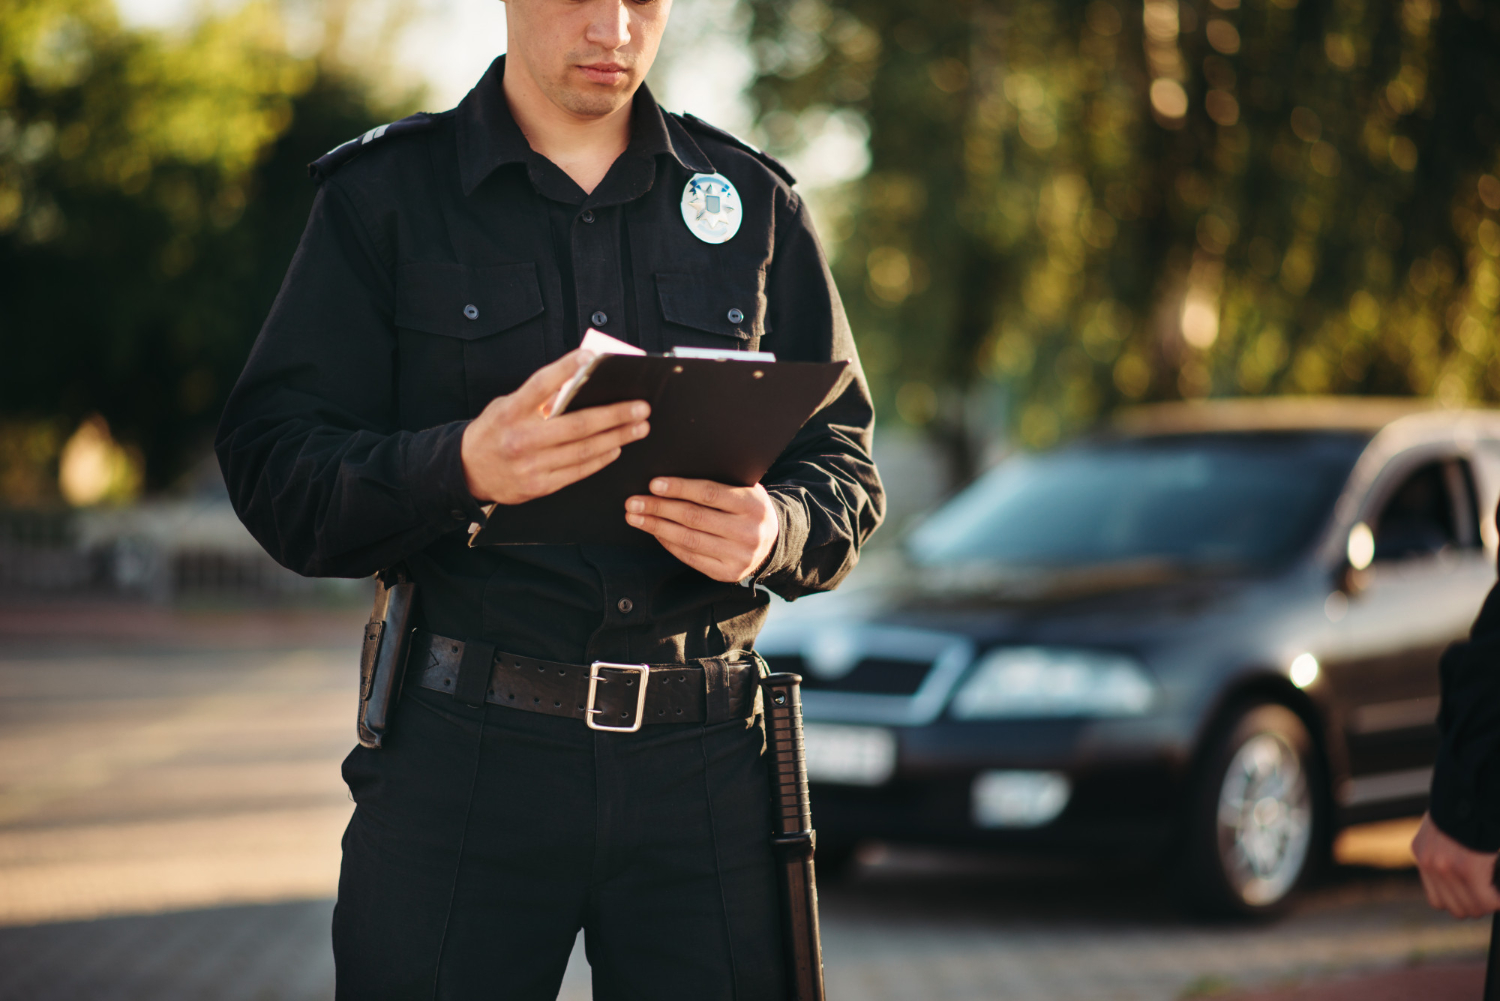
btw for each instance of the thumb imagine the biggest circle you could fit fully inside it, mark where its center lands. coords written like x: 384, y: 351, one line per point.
x: 544, y: 383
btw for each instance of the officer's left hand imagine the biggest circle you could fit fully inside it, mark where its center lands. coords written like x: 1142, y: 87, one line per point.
x: 724, y: 532
x: 1457, y: 879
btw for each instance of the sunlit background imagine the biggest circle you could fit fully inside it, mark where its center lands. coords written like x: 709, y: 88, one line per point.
x: 1037, y: 211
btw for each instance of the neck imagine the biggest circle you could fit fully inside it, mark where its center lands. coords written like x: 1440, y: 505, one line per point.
x: 583, y: 147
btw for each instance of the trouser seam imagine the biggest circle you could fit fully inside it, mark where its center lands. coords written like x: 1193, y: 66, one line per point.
x: 713, y: 835
x: 463, y: 839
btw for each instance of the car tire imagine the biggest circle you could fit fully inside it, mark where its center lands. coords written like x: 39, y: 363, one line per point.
x: 1258, y: 815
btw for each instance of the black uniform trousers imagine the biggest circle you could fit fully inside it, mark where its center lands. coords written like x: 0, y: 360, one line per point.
x: 484, y: 839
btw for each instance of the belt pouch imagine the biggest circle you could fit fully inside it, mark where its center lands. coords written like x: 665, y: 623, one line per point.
x: 474, y: 668
x: 382, y: 659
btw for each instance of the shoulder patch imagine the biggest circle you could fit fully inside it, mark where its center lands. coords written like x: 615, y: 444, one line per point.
x: 324, y: 166
x: 699, y: 125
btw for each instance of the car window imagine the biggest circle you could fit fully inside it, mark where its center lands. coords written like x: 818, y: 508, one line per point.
x: 1431, y: 510
x: 1460, y: 480
x: 1206, y: 500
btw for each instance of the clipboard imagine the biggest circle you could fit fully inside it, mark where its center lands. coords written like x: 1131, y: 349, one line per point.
x: 716, y: 419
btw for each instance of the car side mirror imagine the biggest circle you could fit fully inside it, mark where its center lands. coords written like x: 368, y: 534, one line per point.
x: 1359, y: 553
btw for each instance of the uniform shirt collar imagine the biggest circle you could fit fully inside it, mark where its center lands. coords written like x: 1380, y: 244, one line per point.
x: 489, y: 138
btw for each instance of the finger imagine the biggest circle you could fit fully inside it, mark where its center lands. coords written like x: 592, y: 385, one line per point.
x: 582, y: 424
x: 1434, y: 899
x: 579, y: 452
x: 1477, y: 876
x: 705, y: 492
x: 1441, y: 895
x: 554, y: 480
x: 1461, y: 902
x: 1487, y: 897
x: 687, y: 538
x: 535, y: 438
x: 705, y: 565
x: 544, y: 383
x: 690, y: 515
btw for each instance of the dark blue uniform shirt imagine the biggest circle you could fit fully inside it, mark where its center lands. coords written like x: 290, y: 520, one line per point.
x: 444, y: 262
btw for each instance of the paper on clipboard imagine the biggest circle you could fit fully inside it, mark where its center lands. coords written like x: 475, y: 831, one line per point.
x: 600, y: 344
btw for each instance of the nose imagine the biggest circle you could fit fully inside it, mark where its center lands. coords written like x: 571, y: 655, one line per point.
x: 609, y: 28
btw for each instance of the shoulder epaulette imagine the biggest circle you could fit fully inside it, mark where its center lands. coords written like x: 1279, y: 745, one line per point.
x: 699, y: 125
x: 324, y: 166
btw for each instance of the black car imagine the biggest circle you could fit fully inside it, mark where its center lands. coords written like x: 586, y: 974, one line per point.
x: 1210, y: 634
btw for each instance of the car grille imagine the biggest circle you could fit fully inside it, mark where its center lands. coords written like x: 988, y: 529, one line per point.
x: 871, y: 675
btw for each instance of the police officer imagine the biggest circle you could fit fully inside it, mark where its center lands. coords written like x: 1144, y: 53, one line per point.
x: 449, y: 268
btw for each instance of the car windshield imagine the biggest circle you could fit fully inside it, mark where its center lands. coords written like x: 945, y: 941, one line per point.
x: 1206, y: 500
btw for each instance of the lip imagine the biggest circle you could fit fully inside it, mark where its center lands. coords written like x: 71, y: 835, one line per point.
x: 603, y: 72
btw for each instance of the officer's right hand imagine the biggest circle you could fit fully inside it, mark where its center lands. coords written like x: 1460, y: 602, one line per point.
x: 512, y: 452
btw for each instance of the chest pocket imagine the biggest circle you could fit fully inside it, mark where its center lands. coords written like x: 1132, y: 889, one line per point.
x: 706, y: 311
x: 466, y: 335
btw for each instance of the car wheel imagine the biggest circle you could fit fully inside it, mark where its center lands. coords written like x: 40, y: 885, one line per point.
x: 1257, y: 816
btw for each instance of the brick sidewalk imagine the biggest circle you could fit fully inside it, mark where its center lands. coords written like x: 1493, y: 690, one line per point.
x: 1448, y: 982
x: 169, y: 821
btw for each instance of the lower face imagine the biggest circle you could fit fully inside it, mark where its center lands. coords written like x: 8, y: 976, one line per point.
x: 557, y: 43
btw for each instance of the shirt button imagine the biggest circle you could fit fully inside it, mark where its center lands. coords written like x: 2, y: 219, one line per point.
x: 599, y: 318
x: 625, y: 605
x: 471, y: 311
x: 588, y: 215
x: 735, y: 316
x: 457, y: 514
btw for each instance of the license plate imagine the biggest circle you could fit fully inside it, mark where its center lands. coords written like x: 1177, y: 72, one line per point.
x: 850, y: 755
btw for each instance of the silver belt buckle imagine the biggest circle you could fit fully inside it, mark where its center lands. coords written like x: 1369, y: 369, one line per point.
x: 589, y: 712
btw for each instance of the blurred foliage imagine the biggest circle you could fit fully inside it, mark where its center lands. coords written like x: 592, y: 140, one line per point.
x: 1090, y: 203
x: 152, y: 190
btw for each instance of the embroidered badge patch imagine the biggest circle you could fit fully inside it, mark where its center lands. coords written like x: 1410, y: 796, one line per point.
x: 711, y: 207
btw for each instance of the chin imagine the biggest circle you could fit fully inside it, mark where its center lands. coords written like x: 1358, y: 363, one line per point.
x: 592, y: 102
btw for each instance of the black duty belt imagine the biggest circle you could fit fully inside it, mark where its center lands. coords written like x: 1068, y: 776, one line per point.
x: 605, y: 695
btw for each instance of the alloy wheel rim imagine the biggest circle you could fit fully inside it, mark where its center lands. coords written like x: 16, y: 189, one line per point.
x: 1264, y: 819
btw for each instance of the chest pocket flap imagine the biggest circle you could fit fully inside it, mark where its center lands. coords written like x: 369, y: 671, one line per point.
x: 469, y: 303
x: 712, y: 304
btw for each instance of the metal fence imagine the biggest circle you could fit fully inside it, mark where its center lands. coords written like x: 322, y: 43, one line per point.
x: 164, y: 551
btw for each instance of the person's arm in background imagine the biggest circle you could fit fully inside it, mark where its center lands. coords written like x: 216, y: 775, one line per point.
x: 1456, y: 846
x: 316, y: 465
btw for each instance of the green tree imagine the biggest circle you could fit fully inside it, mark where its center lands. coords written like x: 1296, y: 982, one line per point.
x: 151, y: 193
x: 1085, y: 204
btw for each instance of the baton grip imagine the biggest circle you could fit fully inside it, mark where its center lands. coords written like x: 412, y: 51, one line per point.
x: 783, y: 707
x: 792, y: 838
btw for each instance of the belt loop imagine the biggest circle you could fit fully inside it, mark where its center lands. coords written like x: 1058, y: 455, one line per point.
x: 763, y: 670
x: 716, y: 707
x: 474, y: 669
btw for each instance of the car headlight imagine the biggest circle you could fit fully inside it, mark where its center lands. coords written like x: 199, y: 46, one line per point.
x: 1050, y: 681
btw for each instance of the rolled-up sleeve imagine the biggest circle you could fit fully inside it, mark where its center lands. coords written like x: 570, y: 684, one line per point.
x: 825, y: 487
x: 316, y: 465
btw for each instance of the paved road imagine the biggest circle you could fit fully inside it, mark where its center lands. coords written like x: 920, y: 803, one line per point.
x: 170, y: 809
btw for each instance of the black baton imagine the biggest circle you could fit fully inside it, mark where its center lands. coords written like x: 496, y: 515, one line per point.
x: 792, y: 838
